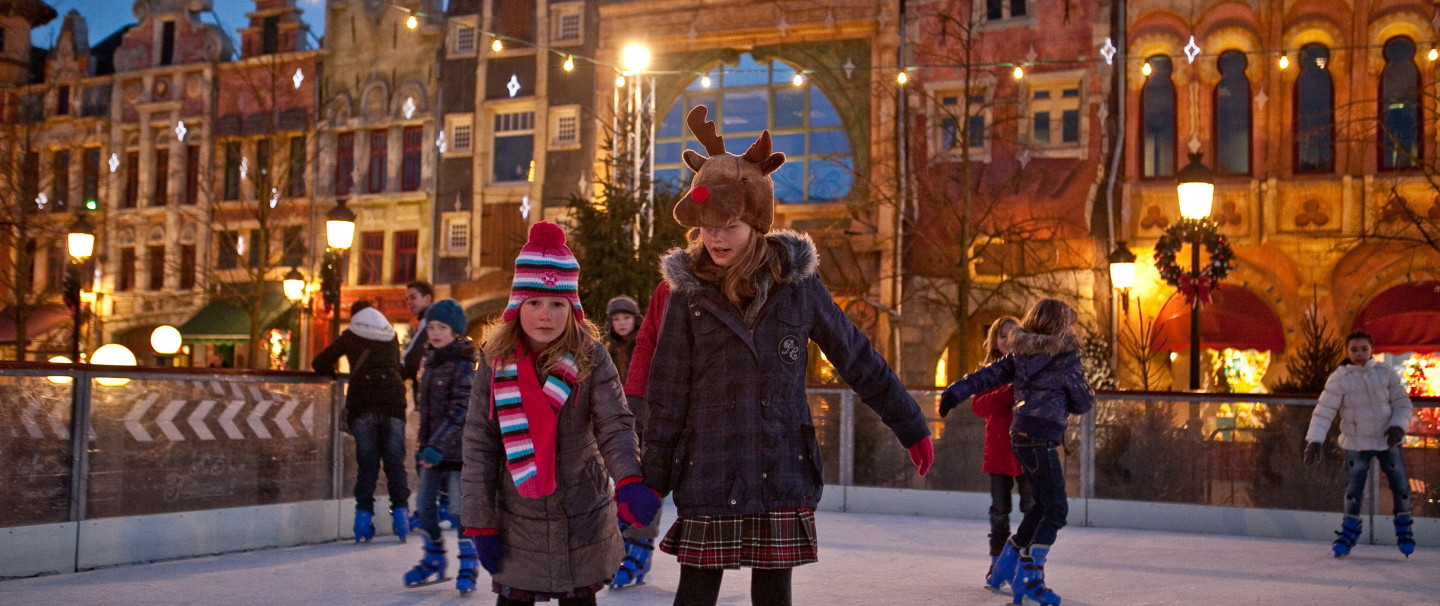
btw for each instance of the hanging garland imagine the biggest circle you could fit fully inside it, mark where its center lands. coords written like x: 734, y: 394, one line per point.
x: 1193, y: 230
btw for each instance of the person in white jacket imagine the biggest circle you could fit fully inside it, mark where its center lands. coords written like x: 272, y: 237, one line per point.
x: 1374, y: 412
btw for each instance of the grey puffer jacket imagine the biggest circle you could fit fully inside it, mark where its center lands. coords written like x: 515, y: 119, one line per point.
x: 445, y: 396
x: 1049, y: 383
x: 730, y: 431
x: 569, y: 538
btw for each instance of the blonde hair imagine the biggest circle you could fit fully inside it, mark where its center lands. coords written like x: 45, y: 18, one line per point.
x: 1005, y: 324
x: 1048, y: 317
x: 739, y: 279
x: 501, y: 339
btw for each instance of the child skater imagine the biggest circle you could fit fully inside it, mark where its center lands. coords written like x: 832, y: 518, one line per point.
x: 1049, y: 383
x: 997, y: 408
x: 549, y: 420
x: 443, y: 397
x: 1374, y: 412
x: 730, y: 432
x: 622, y: 325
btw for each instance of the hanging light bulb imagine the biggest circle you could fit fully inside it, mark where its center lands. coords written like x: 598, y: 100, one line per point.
x: 902, y: 78
x: 619, y: 81
x: 1146, y: 69
x: 1019, y: 72
x: 1284, y: 61
x: 798, y: 80
x: 497, y: 45
x: 705, y: 81
x: 412, y: 22
x: 569, y: 63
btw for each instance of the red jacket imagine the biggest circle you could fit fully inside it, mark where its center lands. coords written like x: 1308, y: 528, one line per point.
x: 639, y: 373
x: 997, y: 406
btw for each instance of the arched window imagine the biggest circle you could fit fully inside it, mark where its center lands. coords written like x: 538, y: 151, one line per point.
x: 1157, y: 120
x: 1399, y: 106
x: 1232, y: 115
x: 749, y: 98
x: 1314, y: 112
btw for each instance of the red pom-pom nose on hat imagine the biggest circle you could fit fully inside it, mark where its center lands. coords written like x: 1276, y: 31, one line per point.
x: 546, y: 235
x: 700, y: 194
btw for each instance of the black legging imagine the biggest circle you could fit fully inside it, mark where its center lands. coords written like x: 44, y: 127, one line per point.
x: 504, y: 601
x: 701, y: 586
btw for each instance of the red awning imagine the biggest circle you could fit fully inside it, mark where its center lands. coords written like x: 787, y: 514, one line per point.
x: 1235, y: 318
x: 43, y: 319
x: 1404, y: 318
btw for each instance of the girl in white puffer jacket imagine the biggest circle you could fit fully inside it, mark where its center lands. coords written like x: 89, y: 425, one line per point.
x: 1374, y: 413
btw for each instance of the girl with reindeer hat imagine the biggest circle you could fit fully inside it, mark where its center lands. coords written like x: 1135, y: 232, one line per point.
x: 730, y: 432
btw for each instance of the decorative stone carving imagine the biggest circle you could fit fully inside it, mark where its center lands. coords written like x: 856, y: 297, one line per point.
x: 1311, y: 214
x: 1228, y: 215
x: 1154, y: 218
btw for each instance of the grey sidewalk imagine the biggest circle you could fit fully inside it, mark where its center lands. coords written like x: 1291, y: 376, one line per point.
x: 864, y: 559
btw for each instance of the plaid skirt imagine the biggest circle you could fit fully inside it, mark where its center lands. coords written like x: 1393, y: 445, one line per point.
x: 784, y: 538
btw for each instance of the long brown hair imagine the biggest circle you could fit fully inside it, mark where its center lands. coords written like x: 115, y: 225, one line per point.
x: 501, y: 339
x: 1003, y: 324
x: 1048, y: 317
x: 739, y: 279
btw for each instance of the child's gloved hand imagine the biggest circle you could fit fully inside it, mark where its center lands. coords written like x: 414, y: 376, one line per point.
x: 922, y: 454
x: 638, y: 504
x: 487, y: 547
x: 1312, y: 453
x: 430, y: 457
x: 953, y: 396
x: 1394, y: 435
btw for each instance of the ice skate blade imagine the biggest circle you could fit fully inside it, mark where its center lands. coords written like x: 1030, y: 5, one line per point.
x: 624, y: 587
x: 428, y: 583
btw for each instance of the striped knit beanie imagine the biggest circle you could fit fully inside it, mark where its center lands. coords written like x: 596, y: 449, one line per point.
x: 545, y: 268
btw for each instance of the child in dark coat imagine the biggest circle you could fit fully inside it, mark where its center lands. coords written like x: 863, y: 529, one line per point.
x: 1049, y: 384
x: 997, y: 408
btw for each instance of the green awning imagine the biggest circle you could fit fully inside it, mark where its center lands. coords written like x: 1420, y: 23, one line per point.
x: 225, y: 323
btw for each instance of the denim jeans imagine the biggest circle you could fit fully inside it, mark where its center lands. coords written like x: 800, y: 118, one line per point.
x: 1040, y: 460
x: 427, y: 504
x: 1001, y: 486
x: 379, y: 439
x: 1357, y: 472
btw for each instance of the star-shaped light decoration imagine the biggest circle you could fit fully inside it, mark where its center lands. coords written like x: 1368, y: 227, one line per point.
x: 274, y: 197
x: 1024, y: 158
x: 244, y: 166
x: 409, y: 106
x: 180, y: 130
x: 513, y: 85
x: 440, y: 142
x: 782, y: 25
x: 41, y: 200
x: 239, y: 245
x: 298, y: 77
x: 525, y: 208
x: 1108, y: 51
x: 1191, y: 50
x: 849, y: 68
x: 114, y: 163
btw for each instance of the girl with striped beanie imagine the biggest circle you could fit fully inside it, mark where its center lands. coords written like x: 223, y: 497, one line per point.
x: 546, y: 434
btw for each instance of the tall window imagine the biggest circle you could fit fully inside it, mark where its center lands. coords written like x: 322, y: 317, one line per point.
x: 232, y: 170
x: 62, y: 101
x: 295, y: 177
x: 1232, y: 115
x: 514, y: 146
x: 187, y: 266
x: 294, y: 243
x: 372, y: 257
x: 952, y: 116
x: 156, y: 266
x: 227, y: 251
x: 1314, y: 112
x: 132, y: 180
x: 1055, y: 115
x: 160, y: 194
x: 262, y: 169
x: 61, y: 169
x: 126, y: 280
x: 1399, y: 106
x: 410, y: 158
x: 167, y: 43
x: 192, y: 175
x: 379, y: 148
x: 90, y: 179
x: 344, y: 163
x: 407, y: 248
x: 270, y: 35
x: 749, y: 98
x: 259, y: 248
x: 1157, y: 120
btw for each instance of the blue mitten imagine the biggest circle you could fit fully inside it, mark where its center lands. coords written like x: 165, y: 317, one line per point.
x: 487, y: 547
x: 430, y: 456
x: 638, y: 504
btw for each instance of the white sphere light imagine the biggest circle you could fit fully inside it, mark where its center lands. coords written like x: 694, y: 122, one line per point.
x: 59, y: 379
x: 113, y: 354
x: 165, y: 340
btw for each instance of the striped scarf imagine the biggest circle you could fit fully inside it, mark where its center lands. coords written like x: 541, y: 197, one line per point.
x: 528, y: 413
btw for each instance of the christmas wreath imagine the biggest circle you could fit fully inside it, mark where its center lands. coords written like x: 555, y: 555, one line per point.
x: 1193, y: 230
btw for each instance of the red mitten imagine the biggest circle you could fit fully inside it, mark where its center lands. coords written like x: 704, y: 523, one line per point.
x: 922, y: 454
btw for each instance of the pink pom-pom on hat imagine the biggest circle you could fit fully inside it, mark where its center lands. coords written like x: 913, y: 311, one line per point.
x: 545, y: 268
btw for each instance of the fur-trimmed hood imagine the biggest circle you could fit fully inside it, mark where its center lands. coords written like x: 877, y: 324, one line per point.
x: 798, y: 257
x: 1029, y: 344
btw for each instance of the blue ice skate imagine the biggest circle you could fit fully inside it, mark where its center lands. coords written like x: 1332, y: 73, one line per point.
x: 431, y: 568
x: 1405, y: 533
x: 447, y: 519
x: 635, y: 565
x: 1002, y: 570
x: 469, y: 566
x: 364, y: 527
x: 1349, y: 533
x: 400, y: 518
x: 1029, y: 583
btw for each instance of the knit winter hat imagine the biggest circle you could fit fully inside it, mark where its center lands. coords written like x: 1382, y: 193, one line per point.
x: 545, y: 268
x: 371, y: 325
x: 728, y: 187
x: 622, y: 305
x: 448, y: 312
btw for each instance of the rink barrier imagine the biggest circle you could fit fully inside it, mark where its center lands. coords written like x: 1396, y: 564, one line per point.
x: 189, y: 462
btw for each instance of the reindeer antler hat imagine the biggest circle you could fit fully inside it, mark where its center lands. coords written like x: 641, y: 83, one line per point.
x: 727, y: 187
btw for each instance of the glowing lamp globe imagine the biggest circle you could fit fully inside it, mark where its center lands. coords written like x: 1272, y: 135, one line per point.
x: 635, y: 57
x: 165, y: 340
x: 1195, y: 184
x: 59, y: 380
x: 113, y: 354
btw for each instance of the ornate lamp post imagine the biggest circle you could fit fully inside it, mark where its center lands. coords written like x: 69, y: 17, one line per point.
x: 1195, y: 185
x: 81, y: 243
x: 638, y: 126
x: 1122, y: 273
x: 339, y: 234
x: 295, y: 291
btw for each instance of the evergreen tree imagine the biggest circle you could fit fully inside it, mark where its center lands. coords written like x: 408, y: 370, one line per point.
x: 1319, y: 353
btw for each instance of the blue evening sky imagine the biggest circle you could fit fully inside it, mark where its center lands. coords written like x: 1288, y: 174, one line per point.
x: 104, y: 17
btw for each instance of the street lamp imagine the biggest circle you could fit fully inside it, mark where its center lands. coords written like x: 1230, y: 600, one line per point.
x: 1122, y: 273
x: 81, y: 243
x: 294, y: 285
x: 339, y: 235
x: 638, y: 127
x: 296, y: 291
x: 1195, y: 184
x: 165, y: 340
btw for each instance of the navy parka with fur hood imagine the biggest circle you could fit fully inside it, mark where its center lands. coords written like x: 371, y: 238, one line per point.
x: 1049, y: 383
x: 730, y: 431
x: 445, y: 397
